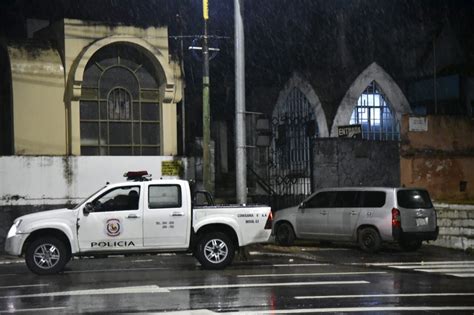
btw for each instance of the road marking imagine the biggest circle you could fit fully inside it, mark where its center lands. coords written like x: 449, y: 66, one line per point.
x: 446, y: 270
x: 462, y: 269
x: 24, y: 286
x: 298, y: 265
x: 9, y: 262
x: 461, y: 275
x: 156, y: 289
x: 379, y: 295
x: 416, y: 262
x: 108, y: 291
x: 359, y: 309
x: 259, y: 285
x: 15, y: 310
x: 142, y: 260
x: 113, y: 270
x: 312, y: 274
x: 431, y: 266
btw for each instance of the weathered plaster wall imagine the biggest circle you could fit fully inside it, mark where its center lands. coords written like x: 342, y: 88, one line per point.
x: 30, y: 184
x: 38, y: 91
x: 441, y: 158
x: 352, y: 162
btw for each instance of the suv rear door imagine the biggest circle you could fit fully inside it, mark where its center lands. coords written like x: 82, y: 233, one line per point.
x: 416, y: 210
x: 344, y: 214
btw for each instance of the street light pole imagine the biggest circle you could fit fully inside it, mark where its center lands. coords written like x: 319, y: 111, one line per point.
x: 206, y: 115
x: 240, y: 145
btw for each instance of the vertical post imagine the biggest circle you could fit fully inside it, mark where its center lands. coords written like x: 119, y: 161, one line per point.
x: 240, y: 157
x: 206, y: 115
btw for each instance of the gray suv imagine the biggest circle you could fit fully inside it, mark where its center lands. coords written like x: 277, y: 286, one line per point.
x: 366, y: 215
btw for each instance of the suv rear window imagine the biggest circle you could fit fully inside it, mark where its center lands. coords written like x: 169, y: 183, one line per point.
x: 414, y: 199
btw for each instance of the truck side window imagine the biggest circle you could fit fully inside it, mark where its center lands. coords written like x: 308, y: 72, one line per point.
x: 118, y: 199
x: 164, y: 196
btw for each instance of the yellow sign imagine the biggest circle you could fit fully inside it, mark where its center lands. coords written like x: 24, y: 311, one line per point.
x: 205, y: 9
x: 171, y: 168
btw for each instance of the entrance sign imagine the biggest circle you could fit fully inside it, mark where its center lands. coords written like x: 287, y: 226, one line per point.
x: 350, y: 131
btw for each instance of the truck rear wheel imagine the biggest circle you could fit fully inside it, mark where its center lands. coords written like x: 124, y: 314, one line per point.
x: 215, y: 250
x: 46, y: 255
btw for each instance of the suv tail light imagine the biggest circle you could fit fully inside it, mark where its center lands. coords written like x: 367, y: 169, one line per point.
x: 269, y: 223
x: 396, y: 220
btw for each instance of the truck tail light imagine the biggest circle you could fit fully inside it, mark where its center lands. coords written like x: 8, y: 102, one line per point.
x: 269, y: 223
x: 396, y: 220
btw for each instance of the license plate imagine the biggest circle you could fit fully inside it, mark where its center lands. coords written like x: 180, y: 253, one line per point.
x: 421, y: 221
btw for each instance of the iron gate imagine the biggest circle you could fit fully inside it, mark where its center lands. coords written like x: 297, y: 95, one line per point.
x: 290, y: 153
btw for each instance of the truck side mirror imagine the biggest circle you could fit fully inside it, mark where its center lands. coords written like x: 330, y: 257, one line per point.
x: 88, y: 208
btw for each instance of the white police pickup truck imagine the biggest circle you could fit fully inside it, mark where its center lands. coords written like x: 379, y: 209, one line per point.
x: 138, y: 216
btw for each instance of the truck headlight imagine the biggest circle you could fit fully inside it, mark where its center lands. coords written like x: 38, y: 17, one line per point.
x: 14, y: 229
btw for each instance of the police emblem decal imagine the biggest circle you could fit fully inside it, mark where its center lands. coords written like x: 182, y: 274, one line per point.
x: 113, y: 227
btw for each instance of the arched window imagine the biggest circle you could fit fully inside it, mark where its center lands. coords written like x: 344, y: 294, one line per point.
x: 119, y: 109
x: 374, y: 113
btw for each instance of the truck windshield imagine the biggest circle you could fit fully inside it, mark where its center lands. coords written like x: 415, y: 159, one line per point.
x: 414, y: 199
x: 83, y: 201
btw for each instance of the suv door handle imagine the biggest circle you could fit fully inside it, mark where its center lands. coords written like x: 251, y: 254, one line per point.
x: 177, y: 214
x: 353, y: 212
x: 132, y: 216
x: 323, y: 212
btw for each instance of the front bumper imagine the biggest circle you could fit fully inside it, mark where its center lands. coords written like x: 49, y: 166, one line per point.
x: 14, y: 244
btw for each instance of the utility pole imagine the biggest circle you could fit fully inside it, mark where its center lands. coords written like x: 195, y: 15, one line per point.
x: 206, y: 113
x: 240, y: 145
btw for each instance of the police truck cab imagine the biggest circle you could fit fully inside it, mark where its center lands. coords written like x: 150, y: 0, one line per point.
x: 137, y: 216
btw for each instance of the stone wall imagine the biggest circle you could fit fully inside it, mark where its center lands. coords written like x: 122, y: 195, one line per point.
x: 456, y: 226
x: 351, y: 162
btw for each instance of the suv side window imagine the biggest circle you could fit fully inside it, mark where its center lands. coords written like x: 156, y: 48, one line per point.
x: 346, y: 199
x: 373, y: 199
x: 164, y: 196
x: 321, y: 200
x: 118, y: 199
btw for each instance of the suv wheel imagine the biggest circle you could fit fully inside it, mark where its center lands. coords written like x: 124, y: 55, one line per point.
x: 46, y: 255
x: 410, y: 245
x: 369, y: 240
x: 284, y: 234
x: 215, y: 250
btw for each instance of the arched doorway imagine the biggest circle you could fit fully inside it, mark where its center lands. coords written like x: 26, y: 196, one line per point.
x: 297, y: 119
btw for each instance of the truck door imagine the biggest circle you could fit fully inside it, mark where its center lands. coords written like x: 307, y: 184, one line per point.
x: 167, y: 216
x: 115, y: 221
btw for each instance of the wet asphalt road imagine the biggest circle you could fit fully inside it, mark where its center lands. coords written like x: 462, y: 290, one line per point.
x: 273, y: 280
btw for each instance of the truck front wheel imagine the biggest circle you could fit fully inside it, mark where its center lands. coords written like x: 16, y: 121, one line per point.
x: 215, y: 250
x: 46, y: 255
